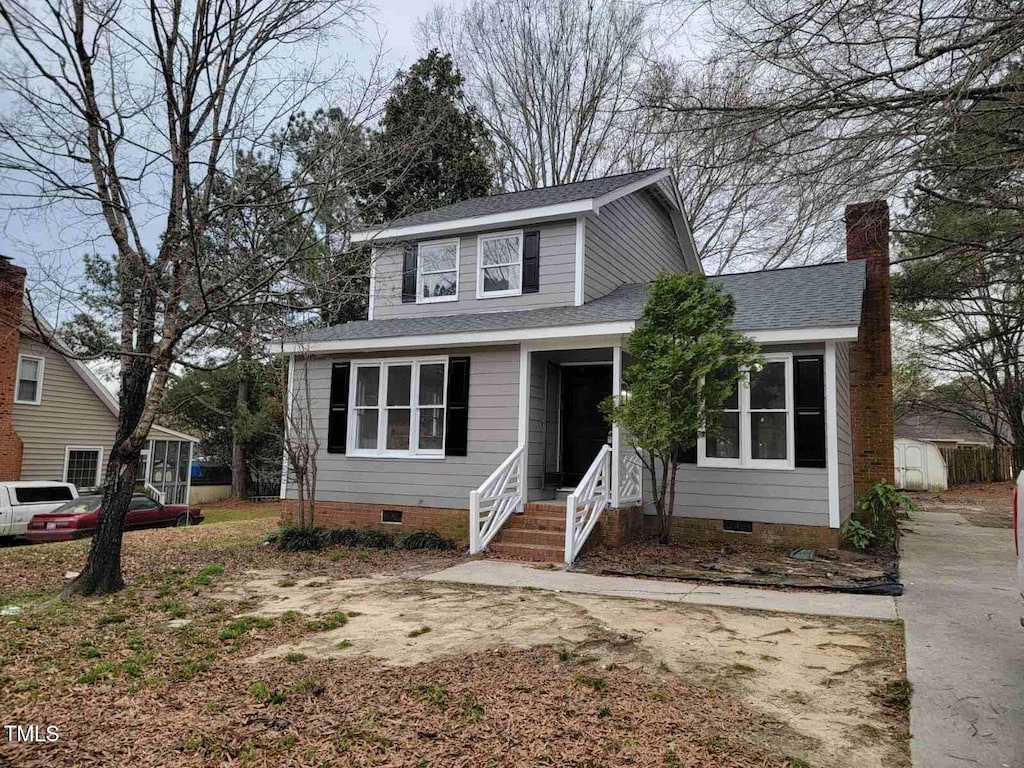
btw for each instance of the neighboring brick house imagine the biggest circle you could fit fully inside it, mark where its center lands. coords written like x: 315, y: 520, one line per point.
x: 496, y: 327
x: 57, y: 419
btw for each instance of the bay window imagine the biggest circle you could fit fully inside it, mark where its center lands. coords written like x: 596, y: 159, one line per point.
x: 398, y: 408
x: 757, y: 420
x: 437, y: 272
x: 500, y: 265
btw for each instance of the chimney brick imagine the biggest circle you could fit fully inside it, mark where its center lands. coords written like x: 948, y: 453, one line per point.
x: 871, y: 406
x: 12, y: 290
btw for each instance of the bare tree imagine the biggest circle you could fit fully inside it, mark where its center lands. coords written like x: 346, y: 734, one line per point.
x: 133, y: 113
x: 555, y: 81
x: 301, y: 444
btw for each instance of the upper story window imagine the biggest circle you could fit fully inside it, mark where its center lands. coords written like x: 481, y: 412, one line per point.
x: 398, y: 408
x: 757, y: 421
x: 30, y: 380
x: 500, y: 265
x: 437, y: 272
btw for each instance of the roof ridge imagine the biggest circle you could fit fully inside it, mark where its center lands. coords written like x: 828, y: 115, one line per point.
x: 784, y: 269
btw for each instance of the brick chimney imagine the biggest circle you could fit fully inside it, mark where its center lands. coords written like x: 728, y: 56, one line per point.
x: 871, y: 408
x: 12, y: 290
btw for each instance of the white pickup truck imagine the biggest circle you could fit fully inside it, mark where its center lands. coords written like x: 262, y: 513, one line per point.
x: 20, y: 499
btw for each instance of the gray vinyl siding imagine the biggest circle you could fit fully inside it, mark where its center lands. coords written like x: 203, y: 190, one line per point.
x: 445, y: 482
x: 70, y: 413
x: 537, y: 427
x: 791, y: 496
x: 844, y: 432
x: 629, y: 241
x: 557, y: 276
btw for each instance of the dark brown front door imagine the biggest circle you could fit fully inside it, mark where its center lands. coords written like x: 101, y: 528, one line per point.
x: 584, y: 428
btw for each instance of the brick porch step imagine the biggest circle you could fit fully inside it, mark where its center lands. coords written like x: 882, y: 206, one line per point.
x: 537, y: 553
x: 547, y: 538
x: 534, y: 521
x: 545, y: 507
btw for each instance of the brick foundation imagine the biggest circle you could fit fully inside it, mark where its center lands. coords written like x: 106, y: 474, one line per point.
x: 871, y: 406
x: 691, y: 529
x: 12, y: 289
x: 619, y: 525
x: 449, y: 523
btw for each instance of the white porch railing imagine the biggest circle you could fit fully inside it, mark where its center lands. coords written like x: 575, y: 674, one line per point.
x: 631, y: 477
x: 584, y: 506
x: 496, y: 499
x: 154, y: 494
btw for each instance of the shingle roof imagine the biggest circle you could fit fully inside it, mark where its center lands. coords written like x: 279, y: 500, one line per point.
x: 824, y: 296
x: 530, y: 198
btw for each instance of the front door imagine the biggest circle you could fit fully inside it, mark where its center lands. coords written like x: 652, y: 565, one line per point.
x: 584, y: 427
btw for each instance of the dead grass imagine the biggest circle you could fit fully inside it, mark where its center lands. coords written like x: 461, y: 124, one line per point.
x: 987, y: 505
x: 208, y: 659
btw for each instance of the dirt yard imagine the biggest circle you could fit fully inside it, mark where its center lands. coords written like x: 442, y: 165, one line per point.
x: 987, y: 505
x: 224, y: 653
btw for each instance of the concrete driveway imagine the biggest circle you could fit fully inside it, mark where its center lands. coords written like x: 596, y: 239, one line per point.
x: 965, y: 644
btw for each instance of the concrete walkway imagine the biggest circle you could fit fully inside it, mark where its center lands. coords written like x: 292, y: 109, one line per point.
x: 965, y: 645
x: 500, y: 573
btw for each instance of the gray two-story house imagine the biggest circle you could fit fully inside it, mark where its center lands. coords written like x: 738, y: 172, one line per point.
x: 468, y: 402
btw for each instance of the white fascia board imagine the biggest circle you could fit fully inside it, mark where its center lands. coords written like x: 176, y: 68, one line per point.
x: 629, y: 189
x: 513, y: 336
x: 546, y: 212
x: 171, y: 433
x: 797, y: 335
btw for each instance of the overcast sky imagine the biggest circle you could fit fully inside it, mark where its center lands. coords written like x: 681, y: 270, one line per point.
x: 50, y: 242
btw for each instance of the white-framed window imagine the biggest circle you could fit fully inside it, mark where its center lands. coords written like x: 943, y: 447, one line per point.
x: 499, y: 265
x: 757, y: 428
x: 437, y: 271
x: 397, y: 407
x: 29, y: 386
x: 83, y: 465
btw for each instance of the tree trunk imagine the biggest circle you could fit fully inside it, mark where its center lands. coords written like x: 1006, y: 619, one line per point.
x: 664, y: 514
x: 239, y: 462
x: 670, y: 505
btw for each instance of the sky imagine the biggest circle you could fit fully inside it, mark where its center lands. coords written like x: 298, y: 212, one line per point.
x: 50, y: 242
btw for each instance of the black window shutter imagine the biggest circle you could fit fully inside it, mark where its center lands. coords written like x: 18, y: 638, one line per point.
x: 688, y: 455
x: 337, y: 420
x: 409, y: 273
x: 531, y: 262
x: 457, y: 409
x: 809, y: 404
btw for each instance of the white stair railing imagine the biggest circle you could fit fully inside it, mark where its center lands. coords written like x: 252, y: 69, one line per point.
x: 495, y: 500
x: 631, y: 477
x: 154, y: 494
x: 584, y: 506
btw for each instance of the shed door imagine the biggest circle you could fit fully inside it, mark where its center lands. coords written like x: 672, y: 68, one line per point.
x: 912, y: 466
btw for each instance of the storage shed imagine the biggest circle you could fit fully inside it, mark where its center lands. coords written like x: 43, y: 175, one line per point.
x: 919, y: 466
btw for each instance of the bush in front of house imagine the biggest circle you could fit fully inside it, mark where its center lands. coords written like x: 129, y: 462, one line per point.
x: 297, y: 539
x: 880, y: 511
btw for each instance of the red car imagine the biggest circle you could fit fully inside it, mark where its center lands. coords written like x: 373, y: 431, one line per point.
x: 79, y: 518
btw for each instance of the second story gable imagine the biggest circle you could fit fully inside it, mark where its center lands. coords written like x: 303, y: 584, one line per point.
x: 548, y: 247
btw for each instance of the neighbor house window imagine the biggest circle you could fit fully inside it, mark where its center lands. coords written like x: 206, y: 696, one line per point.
x: 500, y: 271
x: 757, y: 420
x: 30, y: 380
x: 398, y: 408
x: 437, y: 275
x: 82, y: 466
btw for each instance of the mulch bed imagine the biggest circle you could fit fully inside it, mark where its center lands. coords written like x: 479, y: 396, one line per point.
x: 876, y: 571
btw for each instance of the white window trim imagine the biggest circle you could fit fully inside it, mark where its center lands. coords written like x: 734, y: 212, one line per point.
x: 745, y: 461
x: 419, y: 271
x: 39, y: 381
x: 98, y: 449
x: 480, y: 293
x: 382, y: 452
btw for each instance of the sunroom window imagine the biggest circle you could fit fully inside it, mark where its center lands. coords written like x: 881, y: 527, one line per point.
x: 757, y: 421
x: 398, y: 408
x: 438, y: 272
x: 501, y: 265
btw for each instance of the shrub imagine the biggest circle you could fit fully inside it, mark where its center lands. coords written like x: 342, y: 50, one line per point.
x: 856, y: 534
x: 376, y: 539
x: 343, y: 537
x: 426, y: 540
x: 883, y: 506
x: 295, y: 539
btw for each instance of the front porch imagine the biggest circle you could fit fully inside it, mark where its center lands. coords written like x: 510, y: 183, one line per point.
x: 570, y: 467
